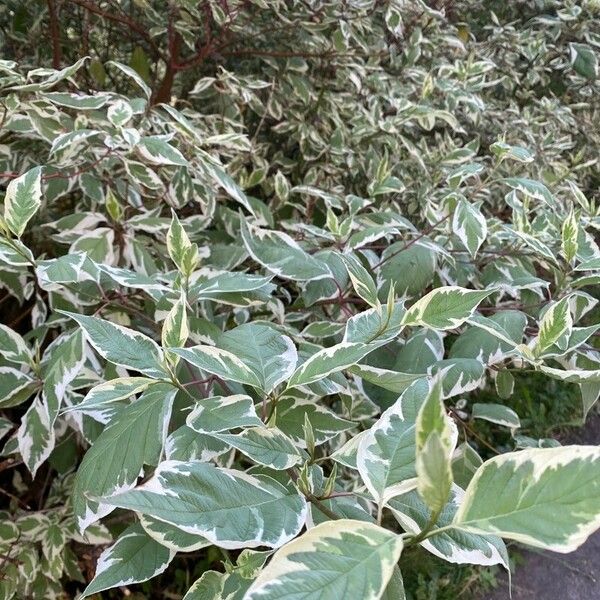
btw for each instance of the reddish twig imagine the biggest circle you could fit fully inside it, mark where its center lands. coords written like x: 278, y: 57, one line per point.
x: 55, y: 34
x: 413, y: 241
x: 122, y: 20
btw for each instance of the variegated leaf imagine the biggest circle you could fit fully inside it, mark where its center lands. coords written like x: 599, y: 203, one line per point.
x: 328, y: 561
x: 547, y: 498
x: 445, y: 307
x: 133, y: 558
x: 204, y: 500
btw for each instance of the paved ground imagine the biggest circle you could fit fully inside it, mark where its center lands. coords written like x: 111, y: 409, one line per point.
x: 551, y: 576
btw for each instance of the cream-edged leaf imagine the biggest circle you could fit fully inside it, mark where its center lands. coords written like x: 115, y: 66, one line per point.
x: 329, y: 360
x: 328, y: 561
x: 445, y: 307
x: 469, y: 225
x: 134, y: 437
x: 221, y: 363
x: 270, y: 355
x: 452, y: 545
x: 22, y: 200
x: 232, y: 509
x: 13, y: 346
x: 121, y: 345
x: 281, y: 255
x: 543, y: 497
x: 133, y: 558
x: 386, y: 452
x: 264, y: 445
x: 221, y: 413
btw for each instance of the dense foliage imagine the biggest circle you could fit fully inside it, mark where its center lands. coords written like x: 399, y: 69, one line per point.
x: 257, y: 259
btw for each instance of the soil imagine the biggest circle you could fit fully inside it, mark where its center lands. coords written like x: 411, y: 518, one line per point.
x: 552, y: 576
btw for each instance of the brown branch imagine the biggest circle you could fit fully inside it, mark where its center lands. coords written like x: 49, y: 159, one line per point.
x: 122, y: 20
x: 55, y: 34
x: 163, y: 94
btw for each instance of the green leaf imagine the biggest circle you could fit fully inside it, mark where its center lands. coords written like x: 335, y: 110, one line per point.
x: 497, y: 413
x: 77, y: 101
x: 175, y: 329
x: 13, y: 346
x: 531, y: 188
x: 452, y: 545
x: 205, y: 500
x: 36, y: 435
x: 592, y: 264
x: 420, y: 351
x: 181, y: 250
x: 133, y: 438
x: 271, y: 356
x: 218, y: 362
x: 465, y: 462
x: 389, y: 380
x: 264, y: 445
x: 227, y: 283
x: 327, y: 361
x: 469, y: 225
x: 362, y: 282
x: 133, y: 558
x: 15, y: 386
x: 15, y: 254
x: 584, y: 60
x: 411, y: 268
x: 102, y: 397
x: 460, y: 375
x: 379, y: 325
x: 121, y: 345
x: 186, y: 444
x: 119, y: 112
x: 569, y: 236
x: 172, y: 537
x: 445, y: 307
x: 555, y: 327
x: 504, y: 383
x: 63, y: 360
x: 53, y: 77
x: 22, y: 200
x: 436, y: 438
x: 216, y: 586
x: 132, y: 74
x: 222, y: 178
x: 292, y: 412
x: 158, y: 151
x: 546, y: 497
x: 328, y: 561
x: 572, y: 375
x: 517, y: 153
x: 69, y: 268
x: 484, y: 344
x: 395, y: 587
x: 221, y: 413
x: 71, y: 139
x: 281, y: 255
x: 386, y: 452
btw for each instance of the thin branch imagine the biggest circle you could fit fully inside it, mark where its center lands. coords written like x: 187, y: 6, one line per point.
x: 412, y: 242
x: 55, y: 34
x: 123, y: 20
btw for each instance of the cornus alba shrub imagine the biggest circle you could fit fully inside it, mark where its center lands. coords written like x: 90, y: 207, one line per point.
x: 258, y: 285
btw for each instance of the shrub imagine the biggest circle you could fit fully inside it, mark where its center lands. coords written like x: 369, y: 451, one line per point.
x: 263, y: 259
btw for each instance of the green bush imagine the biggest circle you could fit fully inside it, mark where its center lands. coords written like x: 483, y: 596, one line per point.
x: 270, y: 273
